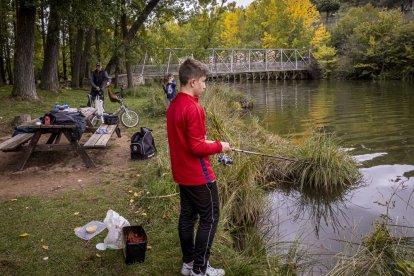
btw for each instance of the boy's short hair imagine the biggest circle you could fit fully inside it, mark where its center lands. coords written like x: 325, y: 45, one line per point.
x: 191, y: 68
x: 168, y: 76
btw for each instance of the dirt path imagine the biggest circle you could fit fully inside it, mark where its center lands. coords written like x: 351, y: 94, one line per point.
x: 47, y: 173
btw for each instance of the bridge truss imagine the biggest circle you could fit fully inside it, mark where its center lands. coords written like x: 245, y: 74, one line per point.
x: 224, y: 62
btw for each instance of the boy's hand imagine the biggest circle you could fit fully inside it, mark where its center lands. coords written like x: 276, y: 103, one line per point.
x: 225, y: 147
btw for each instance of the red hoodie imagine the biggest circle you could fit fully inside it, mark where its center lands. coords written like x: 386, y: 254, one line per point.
x: 189, y: 150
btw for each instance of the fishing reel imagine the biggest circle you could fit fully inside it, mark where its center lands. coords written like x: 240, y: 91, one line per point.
x: 225, y: 159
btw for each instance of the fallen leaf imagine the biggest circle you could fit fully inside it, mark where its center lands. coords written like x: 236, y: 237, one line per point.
x: 131, y: 200
x: 130, y: 191
x: 45, y: 247
x: 144, y: 214
x: 76, y: 213
x: 41, y: 240
x: 45, y: 258
x: 13, y: 199
x: 27, y: 207
x: 165, y: 216
x: 23, y: 235
x: 149, y: 247
x: 136, y: 194
x: 97, y: 255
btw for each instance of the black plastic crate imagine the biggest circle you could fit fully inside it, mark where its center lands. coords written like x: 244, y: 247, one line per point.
x: 136, y: 241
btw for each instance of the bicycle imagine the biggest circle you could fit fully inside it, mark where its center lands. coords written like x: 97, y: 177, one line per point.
x: 129, y: 118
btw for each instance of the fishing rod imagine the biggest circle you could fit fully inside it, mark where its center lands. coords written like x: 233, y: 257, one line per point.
x: 271, y: 156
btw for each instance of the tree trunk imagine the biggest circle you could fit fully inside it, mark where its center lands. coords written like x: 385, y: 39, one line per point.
x: 42, y: 24
x: 50, y: 69
x: 3, y: 38
x: 117, y: 69
x: 77, y: 59
x: 8, y: 64
x: 24, y: 85
x: 132, y: 32
x: 128, y: 66
x: 64, y: 64
x: 2, y: 71
x: 72, y: 45
x: 97, y: 45
x: 85, y: 56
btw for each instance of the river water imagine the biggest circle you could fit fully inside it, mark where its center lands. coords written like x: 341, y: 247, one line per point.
x: 375, y: 122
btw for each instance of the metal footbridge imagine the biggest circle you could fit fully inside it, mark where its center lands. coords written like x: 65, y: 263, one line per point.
x: 229, y: 62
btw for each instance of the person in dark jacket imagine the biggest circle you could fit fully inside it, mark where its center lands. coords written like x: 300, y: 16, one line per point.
x: 99, y: 80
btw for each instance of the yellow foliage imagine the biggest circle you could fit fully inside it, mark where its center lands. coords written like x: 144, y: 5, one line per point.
x: 303, y: 10
x: 231, y: 31
x: 320, y: 37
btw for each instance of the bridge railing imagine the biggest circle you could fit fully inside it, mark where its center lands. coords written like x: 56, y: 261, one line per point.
x: 227, y: 61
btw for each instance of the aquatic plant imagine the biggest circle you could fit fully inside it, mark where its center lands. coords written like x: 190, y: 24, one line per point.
x: 323, y: 167
x: 380, y: 253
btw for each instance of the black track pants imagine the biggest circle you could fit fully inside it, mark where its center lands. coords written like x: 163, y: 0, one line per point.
x: 199, y: 201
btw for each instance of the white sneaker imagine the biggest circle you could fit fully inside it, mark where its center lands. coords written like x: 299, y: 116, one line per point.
x: 187, y: 268
x: 211, y: 271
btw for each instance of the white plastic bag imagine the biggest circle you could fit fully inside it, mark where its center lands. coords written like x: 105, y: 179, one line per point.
x: 114, y: 222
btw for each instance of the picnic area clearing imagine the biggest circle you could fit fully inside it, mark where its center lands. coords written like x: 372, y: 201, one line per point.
x: 61, y: 171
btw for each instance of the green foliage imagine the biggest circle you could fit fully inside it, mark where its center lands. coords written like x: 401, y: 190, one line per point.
x: 326, y: 57
x: 328, y: 6
x: 156, y: 103
x: 374, y: 43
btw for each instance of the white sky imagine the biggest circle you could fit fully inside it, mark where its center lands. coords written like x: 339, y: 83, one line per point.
x: 243, y: 2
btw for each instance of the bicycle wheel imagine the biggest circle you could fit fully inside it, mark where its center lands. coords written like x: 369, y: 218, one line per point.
x: 129, y: 118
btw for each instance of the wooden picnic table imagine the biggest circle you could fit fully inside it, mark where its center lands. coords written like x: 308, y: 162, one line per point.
x: 52, y: 144
x: 95, y: 141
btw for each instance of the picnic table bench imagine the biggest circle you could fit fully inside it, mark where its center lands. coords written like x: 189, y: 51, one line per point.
x: 15, y: 142
x: 98, y: 140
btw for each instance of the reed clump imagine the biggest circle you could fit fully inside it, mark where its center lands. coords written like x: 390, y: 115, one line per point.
x: 380, y: 253
x: 322, y: 166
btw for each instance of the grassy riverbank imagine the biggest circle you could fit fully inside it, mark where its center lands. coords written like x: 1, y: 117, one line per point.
x: 145, y: 194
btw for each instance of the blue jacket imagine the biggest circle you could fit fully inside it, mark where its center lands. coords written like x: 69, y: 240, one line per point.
x: 170, y: 90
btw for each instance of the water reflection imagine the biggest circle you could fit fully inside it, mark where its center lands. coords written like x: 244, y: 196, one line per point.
x: 330, y: 209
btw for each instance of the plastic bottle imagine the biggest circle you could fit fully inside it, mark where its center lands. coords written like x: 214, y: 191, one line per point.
x: 56, y: 107
x: 65, y: 106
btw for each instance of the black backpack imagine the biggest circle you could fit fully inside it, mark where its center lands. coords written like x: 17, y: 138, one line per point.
x: 142, y: 145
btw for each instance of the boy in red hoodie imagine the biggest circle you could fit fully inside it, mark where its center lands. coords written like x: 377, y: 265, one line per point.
x: 191, y: 169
